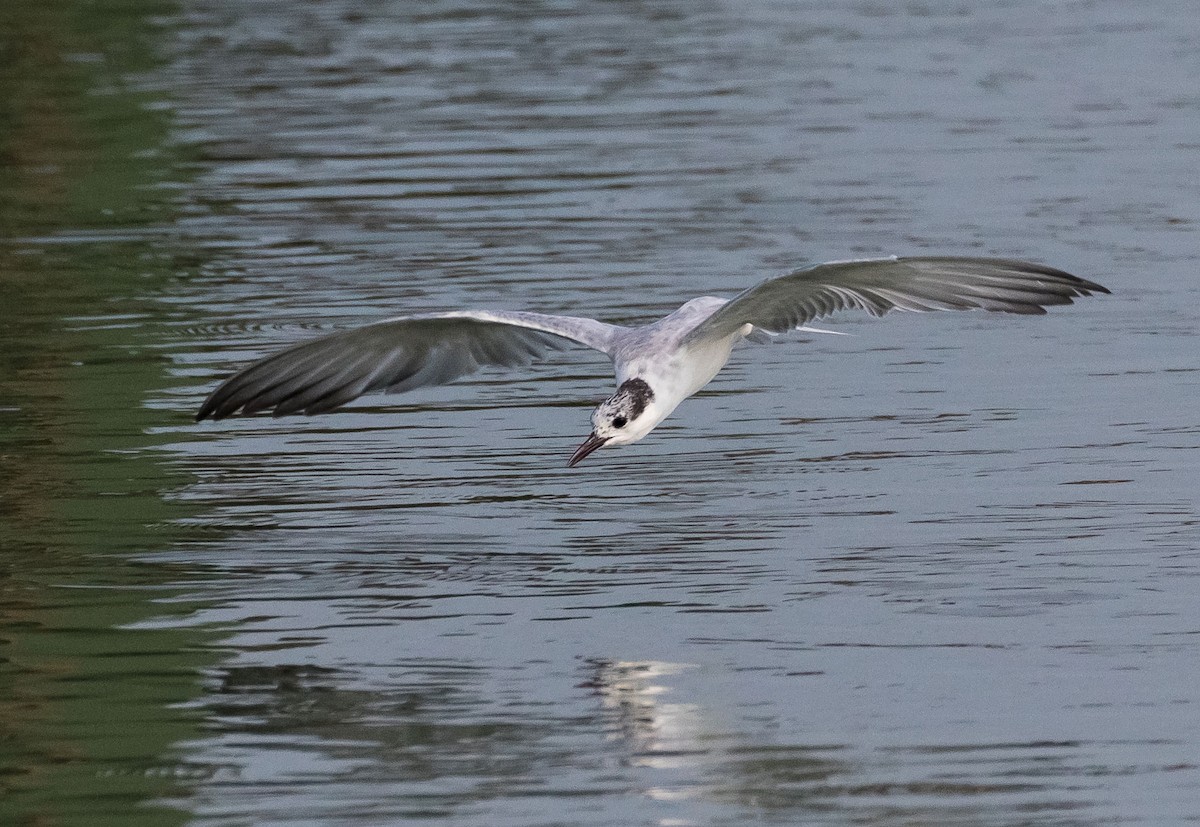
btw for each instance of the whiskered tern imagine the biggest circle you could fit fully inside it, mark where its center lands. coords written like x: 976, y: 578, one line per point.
x: 657, y: 365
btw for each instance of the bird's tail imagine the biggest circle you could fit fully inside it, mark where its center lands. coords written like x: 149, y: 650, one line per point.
x: 806, y: 329
x: 763, y: 337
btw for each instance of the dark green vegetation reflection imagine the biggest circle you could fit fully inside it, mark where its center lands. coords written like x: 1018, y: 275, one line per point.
x: 93, y: 682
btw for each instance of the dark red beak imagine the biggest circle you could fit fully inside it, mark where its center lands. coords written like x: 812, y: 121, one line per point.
x: 590, y: 444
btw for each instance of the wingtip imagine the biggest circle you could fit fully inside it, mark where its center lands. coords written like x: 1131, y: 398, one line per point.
x: 1085, y: 286
x: 211, y: 409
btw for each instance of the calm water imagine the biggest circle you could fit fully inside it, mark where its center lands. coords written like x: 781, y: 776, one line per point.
x: 942, y: 571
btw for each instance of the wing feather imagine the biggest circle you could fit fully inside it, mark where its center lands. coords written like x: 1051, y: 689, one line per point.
x: 398, y: 355
x: 906, y: 284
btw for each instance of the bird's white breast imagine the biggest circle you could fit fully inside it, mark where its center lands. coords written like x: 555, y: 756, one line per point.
x: 677, y: 373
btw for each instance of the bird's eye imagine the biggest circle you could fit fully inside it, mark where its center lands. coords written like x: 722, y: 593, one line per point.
x: 619, y: 421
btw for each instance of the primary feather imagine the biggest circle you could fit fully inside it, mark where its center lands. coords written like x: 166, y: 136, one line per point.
x: 879, y: 285
x: 398, y: 355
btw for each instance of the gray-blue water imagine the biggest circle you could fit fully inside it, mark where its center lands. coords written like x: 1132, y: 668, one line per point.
x: 943, y: 571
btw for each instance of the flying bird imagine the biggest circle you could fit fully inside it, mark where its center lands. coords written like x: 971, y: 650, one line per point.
x: 657, y: 365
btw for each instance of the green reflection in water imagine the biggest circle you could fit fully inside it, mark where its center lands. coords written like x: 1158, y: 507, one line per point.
x: 93, y: 684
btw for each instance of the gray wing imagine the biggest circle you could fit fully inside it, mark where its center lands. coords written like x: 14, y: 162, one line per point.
x: 398, y: 355
x: 879, y: 285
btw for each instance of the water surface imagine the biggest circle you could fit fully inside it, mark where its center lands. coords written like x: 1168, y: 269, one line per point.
x: 940, y: 571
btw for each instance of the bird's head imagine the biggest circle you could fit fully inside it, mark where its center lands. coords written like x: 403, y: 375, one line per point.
x: 624, y: 417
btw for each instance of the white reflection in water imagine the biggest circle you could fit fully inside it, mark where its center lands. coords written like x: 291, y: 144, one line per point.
x: 659, y: 732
